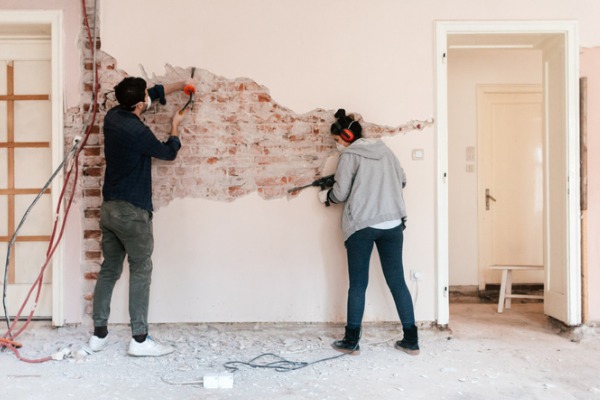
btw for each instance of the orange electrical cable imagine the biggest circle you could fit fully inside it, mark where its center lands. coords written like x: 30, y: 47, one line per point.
x: 9, y: 342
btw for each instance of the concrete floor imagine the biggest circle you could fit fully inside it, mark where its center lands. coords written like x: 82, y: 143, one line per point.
x: 484, y: 355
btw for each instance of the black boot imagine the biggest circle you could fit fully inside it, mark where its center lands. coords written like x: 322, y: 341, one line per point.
x: 410, y: 343
x: 350, y: 342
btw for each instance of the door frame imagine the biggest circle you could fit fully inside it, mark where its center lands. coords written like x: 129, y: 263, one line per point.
x: 569, y: 29
x: 54, y: 19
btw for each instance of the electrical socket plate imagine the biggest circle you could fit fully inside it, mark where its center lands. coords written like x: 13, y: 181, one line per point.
x: 222, y: 380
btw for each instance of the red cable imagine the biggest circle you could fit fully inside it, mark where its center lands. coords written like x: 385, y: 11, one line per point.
x: 52, y: 248
x: 38, y: 281
x: 13, y: 349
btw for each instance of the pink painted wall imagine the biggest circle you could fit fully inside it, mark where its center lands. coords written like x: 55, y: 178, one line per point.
x: 380, y: 66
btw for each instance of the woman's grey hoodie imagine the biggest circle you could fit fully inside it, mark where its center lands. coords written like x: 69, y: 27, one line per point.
x: 369, y: 179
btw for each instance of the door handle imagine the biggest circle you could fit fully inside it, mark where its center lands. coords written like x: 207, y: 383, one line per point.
x: 488, y: 197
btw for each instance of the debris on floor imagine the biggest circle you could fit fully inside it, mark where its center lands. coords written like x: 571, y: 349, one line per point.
x: 517, y: 354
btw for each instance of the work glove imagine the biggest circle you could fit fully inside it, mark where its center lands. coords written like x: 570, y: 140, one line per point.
x: 324, y: 197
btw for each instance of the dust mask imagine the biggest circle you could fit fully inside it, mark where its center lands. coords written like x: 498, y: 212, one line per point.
x: 340, y: 147
x: 148, y: 102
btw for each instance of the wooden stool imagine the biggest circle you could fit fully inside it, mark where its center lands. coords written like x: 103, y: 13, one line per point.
x: 506, y: 284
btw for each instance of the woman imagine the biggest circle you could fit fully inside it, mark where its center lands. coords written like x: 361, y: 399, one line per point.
x: 369, y: 180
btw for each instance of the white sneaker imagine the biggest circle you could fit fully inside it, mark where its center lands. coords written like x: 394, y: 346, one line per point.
x: 96, y: 344
x: 148, y: 348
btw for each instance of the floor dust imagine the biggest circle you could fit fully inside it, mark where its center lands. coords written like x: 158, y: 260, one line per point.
x: 484, y: 355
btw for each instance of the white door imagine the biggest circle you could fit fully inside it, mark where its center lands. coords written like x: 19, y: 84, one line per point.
x: 510, y: 180
x: 25, y: 166
x: 562, y: 290
x: 558, y: 41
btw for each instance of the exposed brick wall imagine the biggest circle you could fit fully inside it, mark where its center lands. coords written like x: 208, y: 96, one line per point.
x: 236, y: 140
x: 91, y: 160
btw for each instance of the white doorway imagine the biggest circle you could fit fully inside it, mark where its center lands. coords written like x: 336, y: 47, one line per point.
x: 31, y: 148
x: 556, y: 42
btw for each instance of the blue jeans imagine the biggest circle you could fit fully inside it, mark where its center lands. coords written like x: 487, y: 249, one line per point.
x: 126, y: 230
x: 359, y: 247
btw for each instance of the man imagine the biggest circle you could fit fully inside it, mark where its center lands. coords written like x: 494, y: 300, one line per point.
x: 126, y: 212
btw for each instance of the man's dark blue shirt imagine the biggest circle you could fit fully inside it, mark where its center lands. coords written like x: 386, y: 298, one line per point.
x: 129, y: 146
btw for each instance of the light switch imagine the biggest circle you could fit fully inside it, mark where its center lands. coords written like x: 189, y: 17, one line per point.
x: 470, y: 154
x: 418, y: 154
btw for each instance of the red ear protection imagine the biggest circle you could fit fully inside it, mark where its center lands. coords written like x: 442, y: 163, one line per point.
x: 347, y: 135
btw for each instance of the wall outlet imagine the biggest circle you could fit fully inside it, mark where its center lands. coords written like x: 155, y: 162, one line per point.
x: 416, y: 275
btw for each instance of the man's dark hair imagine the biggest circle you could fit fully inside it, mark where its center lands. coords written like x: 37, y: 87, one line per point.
x: 130, y: 91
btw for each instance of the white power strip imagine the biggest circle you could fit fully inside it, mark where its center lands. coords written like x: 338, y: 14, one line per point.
x: 221, y: 380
